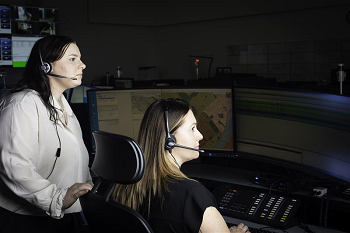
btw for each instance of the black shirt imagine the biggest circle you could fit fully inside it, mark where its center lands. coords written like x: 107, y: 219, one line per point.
x: 182, y: 209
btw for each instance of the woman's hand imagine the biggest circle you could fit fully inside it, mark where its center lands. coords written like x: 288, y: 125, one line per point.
x: 241, y: 228
x: 74, y: 192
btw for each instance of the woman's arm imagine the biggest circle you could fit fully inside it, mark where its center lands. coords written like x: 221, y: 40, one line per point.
x: 214, y: 222
x: 74, y: 192
x: 20, y: 154
x: 22, y: 158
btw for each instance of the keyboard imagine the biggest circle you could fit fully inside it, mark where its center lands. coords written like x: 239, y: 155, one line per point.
x: 272, y: 210
x: 257, y: 230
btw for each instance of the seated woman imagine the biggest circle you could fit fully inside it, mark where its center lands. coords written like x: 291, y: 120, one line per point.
x: 167, y: 198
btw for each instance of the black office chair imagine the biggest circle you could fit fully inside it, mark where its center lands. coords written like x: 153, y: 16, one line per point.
x: 118, y: 159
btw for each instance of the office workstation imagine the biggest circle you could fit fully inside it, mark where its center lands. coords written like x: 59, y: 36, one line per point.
x: 269, y: 88
x: 288, y: 146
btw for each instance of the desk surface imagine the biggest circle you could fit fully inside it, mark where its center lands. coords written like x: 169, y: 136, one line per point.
x: 294, y: 229
x: 239, y: 177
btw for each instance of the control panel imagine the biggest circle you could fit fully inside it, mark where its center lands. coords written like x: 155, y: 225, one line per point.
x: 272, y: 210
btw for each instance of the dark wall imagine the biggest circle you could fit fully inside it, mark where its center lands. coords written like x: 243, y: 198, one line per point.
x: 133, y: 35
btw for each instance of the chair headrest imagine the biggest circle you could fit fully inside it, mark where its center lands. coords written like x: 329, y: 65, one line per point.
x: 117, y: 158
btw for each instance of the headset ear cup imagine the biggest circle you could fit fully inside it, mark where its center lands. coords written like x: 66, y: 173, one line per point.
x: 173, y: 138
x: 170, y: 142
x: 46, y: 67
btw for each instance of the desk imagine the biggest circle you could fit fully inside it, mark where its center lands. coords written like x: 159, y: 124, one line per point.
x: 241, y: 177
x: 295, y: 229
x: 218, y: 173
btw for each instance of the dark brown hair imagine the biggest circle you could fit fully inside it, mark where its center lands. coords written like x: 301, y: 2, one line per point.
x: 50, y: 48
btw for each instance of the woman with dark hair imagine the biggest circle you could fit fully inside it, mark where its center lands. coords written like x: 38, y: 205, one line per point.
x: 167, y: 198
x: 43, y: 159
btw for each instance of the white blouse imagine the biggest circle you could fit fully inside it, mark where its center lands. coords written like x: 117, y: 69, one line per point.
x: 28, y: 145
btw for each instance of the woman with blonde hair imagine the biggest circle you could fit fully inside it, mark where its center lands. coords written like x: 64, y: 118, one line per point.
x: 167, y: 198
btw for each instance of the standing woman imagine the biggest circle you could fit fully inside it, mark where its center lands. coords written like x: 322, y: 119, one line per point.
x: 43, y: 159
x: 167, y: 198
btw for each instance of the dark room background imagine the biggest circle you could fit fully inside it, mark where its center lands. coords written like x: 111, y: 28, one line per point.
x: 163, y: 34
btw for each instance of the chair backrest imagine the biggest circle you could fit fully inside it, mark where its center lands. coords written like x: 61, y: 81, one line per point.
x: 118, y: 159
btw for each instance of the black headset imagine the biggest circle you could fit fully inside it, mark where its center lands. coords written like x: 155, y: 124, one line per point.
x: 46, y: 68
x: 170, y: 140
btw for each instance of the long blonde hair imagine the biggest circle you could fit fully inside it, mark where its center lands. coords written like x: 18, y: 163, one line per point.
x: 159, y: 169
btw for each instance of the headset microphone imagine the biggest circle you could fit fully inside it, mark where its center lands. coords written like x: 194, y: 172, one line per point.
x: 172, y: 144
x: 60, y: 76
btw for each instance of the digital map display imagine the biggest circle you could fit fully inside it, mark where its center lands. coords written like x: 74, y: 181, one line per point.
x: 121, y: 112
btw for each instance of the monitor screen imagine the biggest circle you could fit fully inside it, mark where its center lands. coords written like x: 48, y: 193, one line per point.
x: 34, y: 20
x: 5, y: 50
x: 121, y: 112
x: 20, y: 28
x: 308, y: 131
x: 21, y: 48
x: 5, y: 22
x: 78, y: 94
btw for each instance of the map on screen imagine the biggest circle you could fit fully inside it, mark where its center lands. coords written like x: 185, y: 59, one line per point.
x: 214, y: 116
x: 121, y: 111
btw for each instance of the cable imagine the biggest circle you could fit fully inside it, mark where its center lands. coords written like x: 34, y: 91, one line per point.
x: 321, y: 210
x: 270, y: 189
x: 306, y: 228
x: 271, y: 186
x: 52, y: 168
x: 326, y: 211
x: 174, y: 159
x: 58, y: 152
x: 329, y: 195
x: 304, y: 225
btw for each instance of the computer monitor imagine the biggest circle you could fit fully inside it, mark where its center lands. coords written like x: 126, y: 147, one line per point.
x: 21, y: 48
x: 5, y: 50
x: 303, y: 130
x: 78, y: 94
x: 121, y: 112
x: 27, y: 20
x: 5, y: 22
